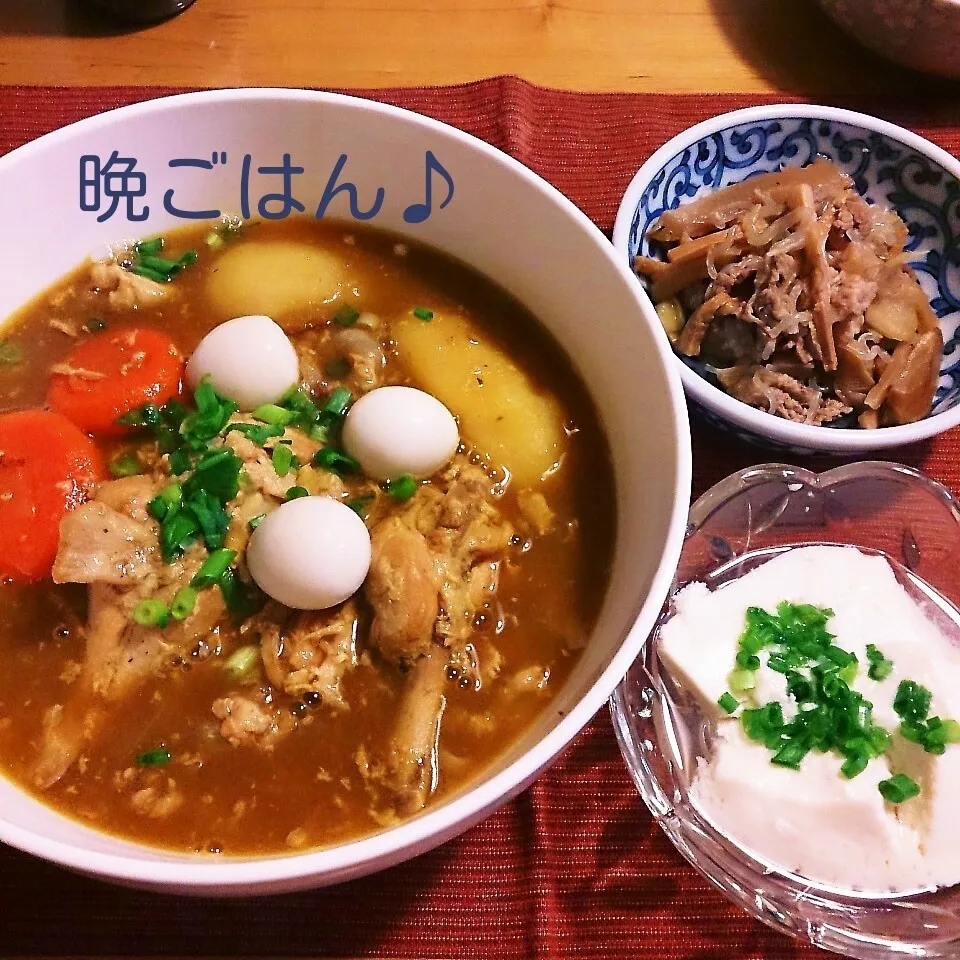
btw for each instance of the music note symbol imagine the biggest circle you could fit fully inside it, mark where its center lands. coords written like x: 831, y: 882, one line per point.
x: 418, y: 212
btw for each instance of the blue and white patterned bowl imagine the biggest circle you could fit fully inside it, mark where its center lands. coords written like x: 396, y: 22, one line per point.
x: 889, y: 165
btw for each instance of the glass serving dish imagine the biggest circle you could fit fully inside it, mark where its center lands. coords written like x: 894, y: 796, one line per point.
x: 742, y: 521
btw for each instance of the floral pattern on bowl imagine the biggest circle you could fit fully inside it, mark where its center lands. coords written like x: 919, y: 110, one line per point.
x: 904, y: 172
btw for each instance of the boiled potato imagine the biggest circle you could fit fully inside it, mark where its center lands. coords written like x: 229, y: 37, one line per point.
x: 501, y: 414
x: 274, y: 278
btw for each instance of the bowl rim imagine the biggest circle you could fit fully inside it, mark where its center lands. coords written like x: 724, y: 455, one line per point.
x: 715, y: 400
x: 286, y: 872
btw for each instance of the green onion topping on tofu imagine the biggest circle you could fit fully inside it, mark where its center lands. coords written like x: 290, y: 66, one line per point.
x: 831, y: 716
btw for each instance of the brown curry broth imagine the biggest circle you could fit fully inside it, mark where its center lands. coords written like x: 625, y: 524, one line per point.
x: 240, y: 800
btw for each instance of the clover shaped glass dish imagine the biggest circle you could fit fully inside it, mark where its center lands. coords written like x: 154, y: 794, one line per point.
x: 889, y: 165
x: 746, y: 519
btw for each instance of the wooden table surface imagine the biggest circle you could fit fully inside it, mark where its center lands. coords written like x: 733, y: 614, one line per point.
x: 627, y: 45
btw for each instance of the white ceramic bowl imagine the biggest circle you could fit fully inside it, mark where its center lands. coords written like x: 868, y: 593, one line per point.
x: 888, y: 164
x: 504, y: 221
x: 923, y: 34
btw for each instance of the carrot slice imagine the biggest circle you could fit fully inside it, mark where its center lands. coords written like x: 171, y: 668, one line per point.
x: 113, y: 373
x: 47, y: 467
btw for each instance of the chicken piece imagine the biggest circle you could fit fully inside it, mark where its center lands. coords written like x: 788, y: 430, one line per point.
x: 110, y: 539
x: 331, y: 355
x: 321, y: 483
x: 243, y: 509
x: 312, y: 654
x: 403, y: 589
x: 462, y: 529
x: 97, y: 544
x: 126, y: 290
x: 409, y: 771
x: 129, y: 495
x: 536, y: 511
x: 258, y: 463
x: 159, y: 800
x: 252, y: 721
x: 471, y: 539
x: 115, y: 552
x: 258, y: 466
x: 364, y: 355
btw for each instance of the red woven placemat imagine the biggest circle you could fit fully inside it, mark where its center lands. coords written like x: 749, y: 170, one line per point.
x: 575, y: 868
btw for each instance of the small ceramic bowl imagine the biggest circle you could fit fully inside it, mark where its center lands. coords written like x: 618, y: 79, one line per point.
x: 923, y: 34
x: 889, y: 165
x: 745, y: 519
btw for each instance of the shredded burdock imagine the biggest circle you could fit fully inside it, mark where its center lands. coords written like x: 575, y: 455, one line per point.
x: 798, y: 293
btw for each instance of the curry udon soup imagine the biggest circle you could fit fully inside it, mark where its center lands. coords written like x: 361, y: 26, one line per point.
x: 282, y: 582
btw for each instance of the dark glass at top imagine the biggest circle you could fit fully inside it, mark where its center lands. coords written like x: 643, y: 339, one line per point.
x: 141, y: 11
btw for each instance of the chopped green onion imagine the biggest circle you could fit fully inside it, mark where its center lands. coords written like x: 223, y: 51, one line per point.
x: 10, y: 353
x: 748, y: 661
x: 238, y: 600
x: 255, y: 522
x: 338, y: 402
x: 335, y: 461
x: 155, y: 275
x: 211, y: 416
x: 880, y: 667
x: 898, y: 788
x: 879, y: 740
x: 282, y: 460
x: 273, y: 414
x: 912, y: 701
x: 126, y: 465
x: 346, y: 316
x: 213, y: 568
x: 151, y: 613
x: 183, y: 603
x: 295, y: 493
x: 154, y: 758
x: 148, y: 248
x: 146, y: 416
x: 243, y: 661
x: 360, y: 505
x: 728, y: 703
x: 951, y: 731
x: 177, y: 534
x: 791, y: 754
x: 179, y: 462
x: 854, y: 765
x: 214, y: 240
x: 422, y: 313
x: 402, y: 488
x: 160, y: 264
x: 258, y: 433
x: 742, y: 680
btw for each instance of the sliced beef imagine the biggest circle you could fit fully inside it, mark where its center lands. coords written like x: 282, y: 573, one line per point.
x: 781, y: 394
x: 797, y: 269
